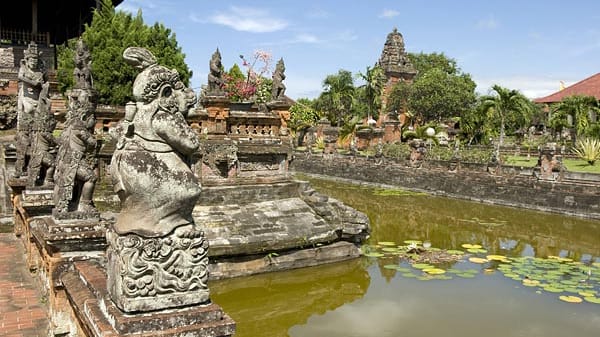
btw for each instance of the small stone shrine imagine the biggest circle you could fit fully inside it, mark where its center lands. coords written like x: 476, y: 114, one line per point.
x: 255, y: 215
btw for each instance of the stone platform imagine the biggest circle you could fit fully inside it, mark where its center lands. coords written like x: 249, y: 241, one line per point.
x: 261, y: 228
x: 97, y: 315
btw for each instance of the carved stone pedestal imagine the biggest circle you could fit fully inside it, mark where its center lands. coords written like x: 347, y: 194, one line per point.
x: 97, y: 315
x: 147, y: 274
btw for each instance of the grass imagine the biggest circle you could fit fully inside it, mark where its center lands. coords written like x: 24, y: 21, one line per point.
x: 573, y: 165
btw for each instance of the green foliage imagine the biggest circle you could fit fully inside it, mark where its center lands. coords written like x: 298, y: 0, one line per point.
x: 507, y: 108
x: 397, y: 150
x: 579, y: 108
x: 439, y: 91
x: 302, y: 114
x: 109, y: 34
x: 337, y: 97
x: 588, y: 149
x: 236, y: 73
x: 372, y: 89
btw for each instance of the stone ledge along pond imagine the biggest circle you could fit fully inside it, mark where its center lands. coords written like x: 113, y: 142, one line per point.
x: 493, y: 271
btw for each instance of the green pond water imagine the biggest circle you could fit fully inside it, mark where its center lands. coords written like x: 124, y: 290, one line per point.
x: 386, y: 296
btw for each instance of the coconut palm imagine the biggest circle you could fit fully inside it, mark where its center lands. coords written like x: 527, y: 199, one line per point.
x: 507, y: 106
x: 373, y: 88
x: 337, y: 96
x: 580, y: 108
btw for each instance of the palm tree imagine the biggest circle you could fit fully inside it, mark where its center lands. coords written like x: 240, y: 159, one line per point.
x: 373, y: 88
x: 337, y: 96
x: 507, y: 106
x: 579, y: 107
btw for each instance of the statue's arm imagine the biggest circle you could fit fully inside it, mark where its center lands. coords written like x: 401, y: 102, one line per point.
x: 173, y: 128
x: 27, y: 76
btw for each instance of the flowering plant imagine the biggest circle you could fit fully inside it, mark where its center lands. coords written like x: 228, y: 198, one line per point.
x: 253, y: 85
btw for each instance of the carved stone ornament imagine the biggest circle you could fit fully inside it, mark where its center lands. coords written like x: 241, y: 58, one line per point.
x: 150, y: 273
x: 76, y: 163
x: 278, y: 91
x: 215, y: 76
x: 32, y: 95
x: 157, y: 257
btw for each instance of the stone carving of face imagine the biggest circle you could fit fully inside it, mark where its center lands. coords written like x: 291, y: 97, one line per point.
x: 176, y: 98
x: 31, y: 62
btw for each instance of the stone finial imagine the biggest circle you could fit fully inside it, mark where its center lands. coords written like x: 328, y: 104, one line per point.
x: 278, y: 91
x: 394, y: 60
x: 82, y: 72
x: 215, y: 76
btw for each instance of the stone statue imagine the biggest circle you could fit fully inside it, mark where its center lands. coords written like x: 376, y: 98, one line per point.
x: 215, y: 77
x: 40, y: 170
x: 33, y: 87
x: 278, y: 90
x: 76, y: 163
x: 82, y: 72
x: 157, y: 256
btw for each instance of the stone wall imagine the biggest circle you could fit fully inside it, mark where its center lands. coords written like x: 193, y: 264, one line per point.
x: 578, y: 194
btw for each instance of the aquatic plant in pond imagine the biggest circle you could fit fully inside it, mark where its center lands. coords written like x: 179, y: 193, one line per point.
x: 575, y: 281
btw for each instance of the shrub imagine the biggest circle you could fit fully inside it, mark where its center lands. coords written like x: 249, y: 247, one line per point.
x: 588, y: 149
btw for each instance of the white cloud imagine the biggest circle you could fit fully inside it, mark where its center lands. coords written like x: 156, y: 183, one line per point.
x: 317, y: 13
x: 389, y: 13
x: 488, y: 24
x: 531, y: 87
x: 248, y: 20
x: 307, y: 38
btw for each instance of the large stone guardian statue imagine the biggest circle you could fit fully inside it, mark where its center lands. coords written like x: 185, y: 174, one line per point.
x: 76, y: 163
x: 33, y: 92
x: 157, y: 255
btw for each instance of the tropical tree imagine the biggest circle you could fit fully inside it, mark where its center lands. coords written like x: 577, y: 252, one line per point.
x: 440, y: 89
x: 337, y: 97
x: 507, y: 107
x: 579, y: 108
x: 374, y: 79
x: 302, y: 114
x: 107, y: 37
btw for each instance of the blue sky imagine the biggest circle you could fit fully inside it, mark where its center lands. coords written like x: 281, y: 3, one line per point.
x: 529, y: 45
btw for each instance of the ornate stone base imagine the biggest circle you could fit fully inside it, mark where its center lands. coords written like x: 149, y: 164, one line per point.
x: 147, y: 274
x: 97, y: 315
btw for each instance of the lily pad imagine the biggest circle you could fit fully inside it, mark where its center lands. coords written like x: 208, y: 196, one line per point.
x: 530, y: 283
x: 373, y: 254
x: 434, y: 271
x: 592, y: 299
x: 421, y: 265
x: 416, y: 242
x: 570, y: 299
x: 409, y: 275
x: 390, y: 250
x: 587, y: 293
x: 470, y: 246
x: 477, y: 260
x: 466, y: 275
x: 386, y: 243
x: 477, y: 250
x: 455, y: 252
x: 551, y: 289
x: 496, y: 258
x: 390, y: 266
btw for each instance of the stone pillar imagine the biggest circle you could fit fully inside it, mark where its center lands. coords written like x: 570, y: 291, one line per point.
x: 330, y: 135
x: 549, y: 163
x: 392, y: 131
x: 217, y: 108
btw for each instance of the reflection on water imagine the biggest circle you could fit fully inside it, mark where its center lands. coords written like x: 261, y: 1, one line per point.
x: 361, y: 298
x: 269, y: 304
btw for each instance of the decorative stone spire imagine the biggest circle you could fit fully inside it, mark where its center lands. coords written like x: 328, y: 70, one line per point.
x: 394, y: 60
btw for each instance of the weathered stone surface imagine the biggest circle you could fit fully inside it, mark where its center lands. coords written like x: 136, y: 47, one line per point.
x: 278, y: 88
x: 394, y: 60
x: 86, y: 289
x: 76, y: 162
x: 146, y: 274
x: 303, y: 256
x: 33, y: 102
x: 507, y: 186
x: 157, y: 256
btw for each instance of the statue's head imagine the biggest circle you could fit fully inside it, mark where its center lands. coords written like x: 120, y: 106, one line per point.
x: 31, y: 56
x: 158, y: 84
x: 82, y: 55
